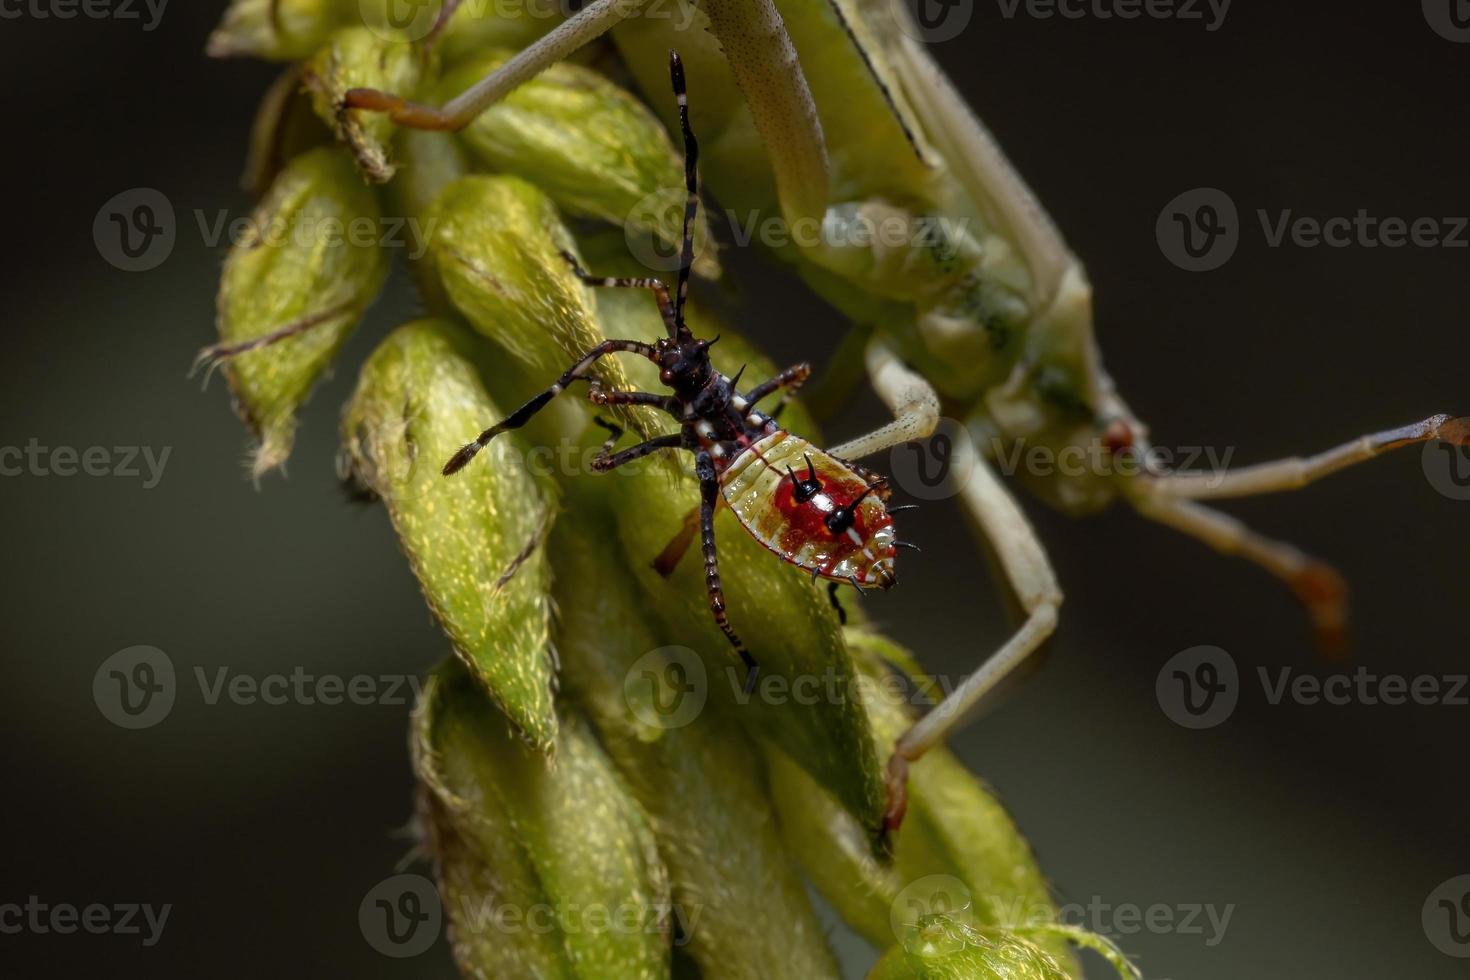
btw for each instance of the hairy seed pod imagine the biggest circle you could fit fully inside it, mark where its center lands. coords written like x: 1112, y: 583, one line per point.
x: 357, y: 57
x: 547, y: 871
x: 741, y: 907
x: 497, y: 244
x: 944, y: 949
x: 475, y: 542
x: 294, y: 287
x: 958, y: 847
x: 593, y: 147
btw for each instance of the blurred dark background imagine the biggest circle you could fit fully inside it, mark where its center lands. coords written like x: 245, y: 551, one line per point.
x: 1326, y: 828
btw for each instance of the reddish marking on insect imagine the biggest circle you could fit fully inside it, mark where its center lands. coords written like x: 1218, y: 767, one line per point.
x: 803, y: 522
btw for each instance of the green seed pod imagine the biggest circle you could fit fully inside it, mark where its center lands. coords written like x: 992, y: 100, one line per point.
x: 594, y: 148
x: 293, y: 289
x: 279, y: 30
x: 740, y: 904
x: 358, y: 57
x: 496, y: 243
x: 803, y: 704
x: 958, y: 848
x: 546, y: 871
x: 944, y: 949
x: 474, y: 541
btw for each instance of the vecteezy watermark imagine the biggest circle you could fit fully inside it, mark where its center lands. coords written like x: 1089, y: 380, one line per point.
x: 666, y: 688
x: 137, y: 688
x: 137, y: 230
x: 946, y: 895
x: 669, y: 687
x: 1446, y: 917
x: 121, y: 462
x: 147, y: 12
x: 494, y: 915
x: 1200, y: 229
x: 1450, y: 19
x: 656, y: 216
x: 932, y: 21
x: 1447, y: 468
x: 97, y: 918
x: 1210, y: 13
x: 1200, y: 688
x: 414, y: 20
x: 401, y: 916
x: 942, y: 465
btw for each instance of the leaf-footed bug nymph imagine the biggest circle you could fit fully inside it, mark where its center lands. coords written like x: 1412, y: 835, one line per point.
x: 814, y: 509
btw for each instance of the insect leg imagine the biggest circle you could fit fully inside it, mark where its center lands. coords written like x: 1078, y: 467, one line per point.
x: 836, y: 604
x: 1289, y: 474
x: 523, y: 414
x: 606, y: 459
x: 673, y: 552
x: 912, y: 400
x: 709, y: 492
x: 691, y: 185
x: 791, y: 379
x: 1316, y: 583
x: 1031, y: 578
x: 591, y: 22
x: 660, y: 291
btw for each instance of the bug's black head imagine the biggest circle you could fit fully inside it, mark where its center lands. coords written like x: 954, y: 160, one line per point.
x: 684, y: 364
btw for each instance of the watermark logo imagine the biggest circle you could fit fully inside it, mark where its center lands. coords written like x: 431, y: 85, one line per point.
x: 1199, y: 230
x: 1211, y: 13
x: 1199, y: 687
x: 1446, y: 917
x: 40, y: 918
x: 932, y: 21
x: 1450, y: 19
x: 934, y: 468
x: 931, y: 895
x: 401, y: 916
x: 667, y: 687
x: 1447, y: 467
x: 135, y: 688
x: 125, y: 462
x: 149, y: 12
x: 135, y: 231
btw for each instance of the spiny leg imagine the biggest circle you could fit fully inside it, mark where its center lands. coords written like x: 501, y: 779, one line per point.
x: 523, y: 414
x: 790, y: 379
x: 1295, y: 472
x: 660, y: 291
x: 587, y: 25
x: 691, y: 185
x: 606, y: 459
x: 709, y: 492
x: 912, y: 400
x: 1024, y: 561
x: 1317, y: 584
x: 836, y: 603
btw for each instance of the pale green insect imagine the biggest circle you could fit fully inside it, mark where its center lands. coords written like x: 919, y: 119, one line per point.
x: 975, y: 294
